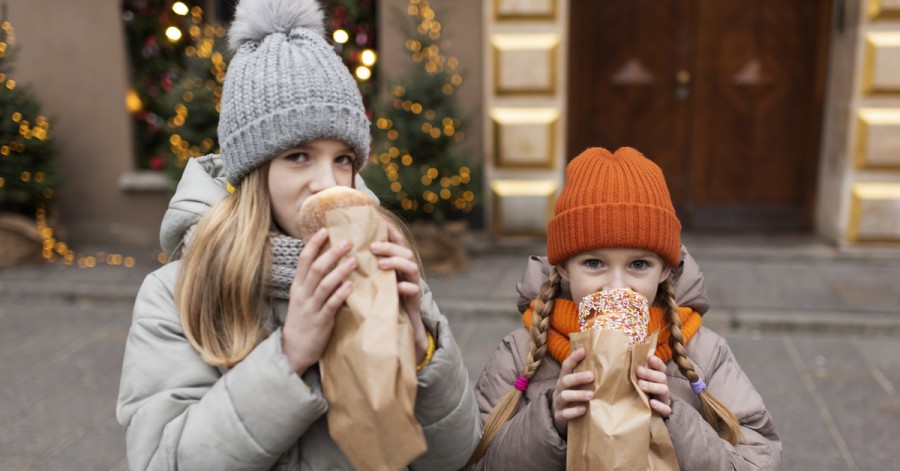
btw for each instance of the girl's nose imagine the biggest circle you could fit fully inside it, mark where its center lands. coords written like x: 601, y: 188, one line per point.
x: 617, y: 281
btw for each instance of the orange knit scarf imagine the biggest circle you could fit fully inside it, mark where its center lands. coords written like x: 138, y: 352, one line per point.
x: 564, y: 321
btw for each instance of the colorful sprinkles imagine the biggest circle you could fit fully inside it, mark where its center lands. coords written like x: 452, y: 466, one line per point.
x: 619, y: 309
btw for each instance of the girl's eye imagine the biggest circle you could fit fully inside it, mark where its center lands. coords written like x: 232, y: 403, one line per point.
x: 593, y: 263
x: 345, y: 160
x: 640, y: 264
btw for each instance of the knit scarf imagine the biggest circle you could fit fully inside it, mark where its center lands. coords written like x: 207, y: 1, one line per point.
x: 285, y: 253
x: 564, y: 321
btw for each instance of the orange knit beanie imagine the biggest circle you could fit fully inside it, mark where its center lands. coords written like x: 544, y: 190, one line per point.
x: 613, y: 200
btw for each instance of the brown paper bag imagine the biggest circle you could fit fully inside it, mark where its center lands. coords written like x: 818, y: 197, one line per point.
x: 369, y: 366
x: 619, y: 431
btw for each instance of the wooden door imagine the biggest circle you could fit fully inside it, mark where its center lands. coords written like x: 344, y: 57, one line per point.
x: 725, y: 95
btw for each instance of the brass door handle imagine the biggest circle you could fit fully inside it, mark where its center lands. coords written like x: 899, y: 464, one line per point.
x: 682, y: 84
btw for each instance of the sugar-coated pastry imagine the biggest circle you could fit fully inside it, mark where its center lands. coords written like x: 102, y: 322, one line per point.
x: 618, y: 309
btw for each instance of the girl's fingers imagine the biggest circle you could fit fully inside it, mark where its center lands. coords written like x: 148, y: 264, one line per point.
x: 570, y: 413
x: 575, y: 395
x: 660, y: 408
x: 652, y: 376
x: 569, y: 364
x: 656, y: 363
x: 574, y: 380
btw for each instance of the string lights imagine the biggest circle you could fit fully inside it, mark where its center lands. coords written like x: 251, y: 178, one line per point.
x: 418, y: 158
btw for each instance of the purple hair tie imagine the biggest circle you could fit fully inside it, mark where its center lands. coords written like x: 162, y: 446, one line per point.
x: 698, y: 386
x: 521, y: 383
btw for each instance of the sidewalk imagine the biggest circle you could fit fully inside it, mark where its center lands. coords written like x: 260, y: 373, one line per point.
x: 816, y: 328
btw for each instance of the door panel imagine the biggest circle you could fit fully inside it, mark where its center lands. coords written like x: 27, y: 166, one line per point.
x: 757, y: 115
x: 621, y: 77
x: 725, y: 95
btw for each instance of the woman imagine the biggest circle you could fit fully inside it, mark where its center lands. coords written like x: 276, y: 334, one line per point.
x: 221, y: 362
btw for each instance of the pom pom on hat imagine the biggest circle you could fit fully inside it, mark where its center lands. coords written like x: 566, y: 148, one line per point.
x: 256, y: 19
x: 285, y: 86
x: 613, y: 200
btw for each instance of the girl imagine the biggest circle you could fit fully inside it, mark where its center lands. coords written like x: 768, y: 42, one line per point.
x: 221, y: 362
x: 614, y: 227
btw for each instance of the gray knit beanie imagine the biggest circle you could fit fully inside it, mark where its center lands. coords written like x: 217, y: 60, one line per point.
x: 285, y: 86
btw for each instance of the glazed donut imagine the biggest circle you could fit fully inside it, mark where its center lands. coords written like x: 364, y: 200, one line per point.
x: 312, y: 213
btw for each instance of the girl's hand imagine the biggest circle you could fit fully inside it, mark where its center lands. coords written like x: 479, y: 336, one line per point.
x: 654, y: 383
x: 394, y: 255
x: 569, y: 398
x: 319, y: 289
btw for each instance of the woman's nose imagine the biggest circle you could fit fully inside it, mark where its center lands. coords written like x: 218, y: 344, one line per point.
x: 324, y: 179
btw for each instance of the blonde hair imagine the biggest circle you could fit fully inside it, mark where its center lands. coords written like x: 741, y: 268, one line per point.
x: 224, y: 274
x: 713, y: 411
x: 718, y: 415
x: 509, y: 404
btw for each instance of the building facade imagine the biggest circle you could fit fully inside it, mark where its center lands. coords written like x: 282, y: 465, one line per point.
x: 765, y: 115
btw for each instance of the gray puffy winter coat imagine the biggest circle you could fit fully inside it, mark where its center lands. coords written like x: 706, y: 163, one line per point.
x: 181, y: 413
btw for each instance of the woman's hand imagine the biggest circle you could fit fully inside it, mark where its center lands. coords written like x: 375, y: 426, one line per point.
x: 395, y: 255
x: 570, y: 398
x: 654, y: 383
x: 319, y: 289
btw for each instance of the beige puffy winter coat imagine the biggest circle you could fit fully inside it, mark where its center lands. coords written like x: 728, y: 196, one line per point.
x: 181, y: 413
x: 530, y: 440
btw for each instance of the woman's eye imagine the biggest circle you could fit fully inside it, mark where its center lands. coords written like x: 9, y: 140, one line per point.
x: 298, y: 157
x: 345, y: 159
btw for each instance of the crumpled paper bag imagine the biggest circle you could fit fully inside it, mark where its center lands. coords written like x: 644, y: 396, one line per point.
x: 369, y: 366
x: 619, y: 432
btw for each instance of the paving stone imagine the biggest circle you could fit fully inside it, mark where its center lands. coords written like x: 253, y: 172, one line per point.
x: 806, y: 441
x: 100, y: 448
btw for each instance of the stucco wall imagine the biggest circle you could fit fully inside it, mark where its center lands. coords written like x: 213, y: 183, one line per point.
x: 72, y: 55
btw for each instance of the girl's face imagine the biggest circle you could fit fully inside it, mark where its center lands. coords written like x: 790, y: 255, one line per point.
x: 609, y: 268
x: 307, y: 169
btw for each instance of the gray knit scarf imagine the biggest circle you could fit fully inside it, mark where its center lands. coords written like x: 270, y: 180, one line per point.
x: 285, y: 253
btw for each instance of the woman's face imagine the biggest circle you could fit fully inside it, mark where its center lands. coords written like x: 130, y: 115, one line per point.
x: 307, y: 169
x: 609, y: 268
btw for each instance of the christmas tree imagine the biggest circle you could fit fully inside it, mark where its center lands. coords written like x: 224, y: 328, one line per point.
x: 192, y: 104
x: 189, y: 105
x: 418, y: 169
x: 27, y: 171
x: 156, y: 43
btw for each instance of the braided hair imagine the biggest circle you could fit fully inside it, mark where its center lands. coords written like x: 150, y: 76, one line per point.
x: 719, y: 416
x: 509, y: 403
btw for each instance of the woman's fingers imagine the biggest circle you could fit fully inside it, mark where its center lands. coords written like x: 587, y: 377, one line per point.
x: 311, y: 249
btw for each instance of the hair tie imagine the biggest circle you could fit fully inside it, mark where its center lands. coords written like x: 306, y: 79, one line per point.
x: 698, y: 386
x: 521, y: 383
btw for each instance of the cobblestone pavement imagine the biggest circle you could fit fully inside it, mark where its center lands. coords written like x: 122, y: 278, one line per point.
x: 815, y: 328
